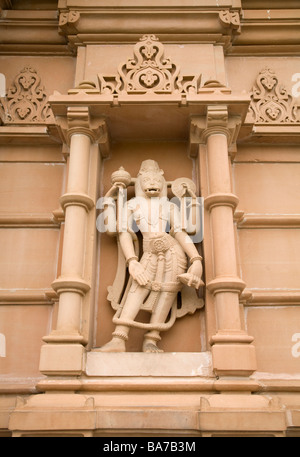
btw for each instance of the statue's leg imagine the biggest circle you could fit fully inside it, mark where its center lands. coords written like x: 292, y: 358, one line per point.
x: 133, y: 303
x: 159, y: 316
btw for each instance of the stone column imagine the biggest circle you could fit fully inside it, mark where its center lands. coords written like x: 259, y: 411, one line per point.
x: 72, y: 285
x: 233, y: 354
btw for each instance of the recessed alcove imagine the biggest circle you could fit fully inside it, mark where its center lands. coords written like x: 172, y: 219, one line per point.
x: 188, y: 333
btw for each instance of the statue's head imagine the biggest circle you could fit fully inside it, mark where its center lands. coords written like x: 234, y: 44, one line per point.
x: 150, y: 180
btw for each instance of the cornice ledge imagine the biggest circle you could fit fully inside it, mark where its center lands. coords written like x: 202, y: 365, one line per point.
x: 43, y: 220
x: 258, y: 297
x: 29, y: 134
x: 210, y: 23
x: 27, y: 297
x: 268, y: 31
x: 148, y: 4
x: 246, y: 220
x: 31, y: 32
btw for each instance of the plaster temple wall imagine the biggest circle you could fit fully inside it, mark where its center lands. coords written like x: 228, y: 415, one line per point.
x: 225, y: 114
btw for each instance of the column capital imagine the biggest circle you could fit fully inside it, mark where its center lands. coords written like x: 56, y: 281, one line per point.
x: 221, y: 199
x: 217, y: 121
x: 78, y: 120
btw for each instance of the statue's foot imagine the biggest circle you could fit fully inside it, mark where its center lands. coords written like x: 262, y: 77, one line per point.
x: 150, y: 346
x: 115, y: 345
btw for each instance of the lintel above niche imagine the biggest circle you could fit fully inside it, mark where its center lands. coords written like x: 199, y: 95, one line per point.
x: 148, y: 95
x: 151, y: 69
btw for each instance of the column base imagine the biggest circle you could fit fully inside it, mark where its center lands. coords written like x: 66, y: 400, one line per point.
x: 241, y: 415
x: 62, y: 337
x: 231, y: 337
x: 139, y: 414
x: 233, y: 359
x: 62, y: 359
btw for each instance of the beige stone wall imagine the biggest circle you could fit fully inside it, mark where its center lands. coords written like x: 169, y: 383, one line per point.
x: 32, y: 179
x: 208, y: 60
x: 266, y: 179
x: 63, y: 387
x: 241, y: 71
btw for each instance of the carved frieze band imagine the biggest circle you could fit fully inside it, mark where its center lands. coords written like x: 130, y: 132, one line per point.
x: 26, y: 100
x: 270, y: 101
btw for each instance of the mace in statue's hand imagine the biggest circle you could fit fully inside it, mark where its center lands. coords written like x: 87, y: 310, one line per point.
x: 193, y: 276
x: 113, y: 191
x: 138, y: 272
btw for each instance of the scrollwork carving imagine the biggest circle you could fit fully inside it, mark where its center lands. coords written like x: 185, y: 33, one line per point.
x: 68, y: 19
x: 26, y: 100
x: 230, y: 19
x: 270, y: 102
x: 148, y: 71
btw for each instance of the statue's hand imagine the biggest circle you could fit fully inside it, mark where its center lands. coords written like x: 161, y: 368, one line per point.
x: 138, y: 272
x: 196, y: 268
x: 190, y: 280
x: 113, y: 191
x: 193, y: 276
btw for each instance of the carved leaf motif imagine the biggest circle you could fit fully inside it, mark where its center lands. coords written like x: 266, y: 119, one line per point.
x: 148, y: 71
x: 270, y: 103
x: 26, y: 100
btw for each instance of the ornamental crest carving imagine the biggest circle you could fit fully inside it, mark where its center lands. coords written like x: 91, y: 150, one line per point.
x: 148, y: 71
x: 270, y: 102
x: 26, y: 100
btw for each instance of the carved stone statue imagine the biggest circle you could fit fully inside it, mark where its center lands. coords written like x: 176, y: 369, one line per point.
x: 162, y: 271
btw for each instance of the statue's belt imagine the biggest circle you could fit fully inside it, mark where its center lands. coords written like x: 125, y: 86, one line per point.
x: 163, y: 286
x: 159, y: 245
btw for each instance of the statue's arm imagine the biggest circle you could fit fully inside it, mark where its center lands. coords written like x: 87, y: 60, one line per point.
x: 136, y: 270
x: 194, y: 273
x: 127, y: 246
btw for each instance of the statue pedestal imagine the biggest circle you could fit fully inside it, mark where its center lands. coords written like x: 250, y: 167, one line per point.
x: 139, y: 364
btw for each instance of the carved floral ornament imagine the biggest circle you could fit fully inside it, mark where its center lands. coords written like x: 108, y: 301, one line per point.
x: 270, y: 101
x: 26, y: 100
x: 149, y: 72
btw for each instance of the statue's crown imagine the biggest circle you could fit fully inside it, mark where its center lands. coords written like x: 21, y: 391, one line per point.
x: 149, y: 165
